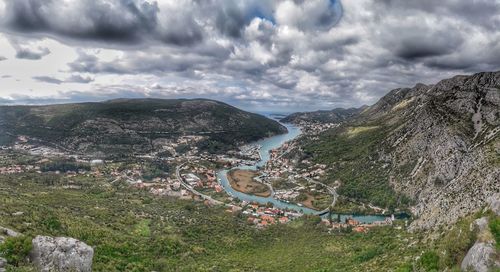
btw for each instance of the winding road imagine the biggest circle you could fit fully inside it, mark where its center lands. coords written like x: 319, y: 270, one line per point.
x: 191, y: 189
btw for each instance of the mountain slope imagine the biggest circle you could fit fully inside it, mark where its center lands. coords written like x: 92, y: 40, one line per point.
x: 434, y: 148
x: 134, y: 125
x: 328, y: 116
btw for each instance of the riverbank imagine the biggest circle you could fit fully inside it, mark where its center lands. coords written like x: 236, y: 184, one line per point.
x: 243, y: 181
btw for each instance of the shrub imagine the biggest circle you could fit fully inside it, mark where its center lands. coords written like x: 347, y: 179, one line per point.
x: 16, y: 249
x: 495, y: 229
x: 429, y: 261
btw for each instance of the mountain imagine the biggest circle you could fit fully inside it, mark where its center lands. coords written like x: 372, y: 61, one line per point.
x: 126, y: 126
x: 325, y: 116
x: 433, y: 149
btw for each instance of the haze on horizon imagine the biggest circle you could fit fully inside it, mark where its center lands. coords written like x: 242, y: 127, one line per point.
x: 285, y: 55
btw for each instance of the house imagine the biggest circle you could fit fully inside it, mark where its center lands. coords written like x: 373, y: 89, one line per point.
x: 96, y: 162
x: 351, y: 222
x: 360, y: 229
x: 283, y: 220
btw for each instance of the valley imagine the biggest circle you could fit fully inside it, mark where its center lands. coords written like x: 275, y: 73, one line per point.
x: 374, y: 190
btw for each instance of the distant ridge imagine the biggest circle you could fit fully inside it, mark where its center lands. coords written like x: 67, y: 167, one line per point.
x: 324, y: 116
x: 125, y: 126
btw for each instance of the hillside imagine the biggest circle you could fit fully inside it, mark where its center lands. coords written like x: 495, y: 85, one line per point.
x: 134, y: 125
x: 434, y: 149
x: 329, y: 116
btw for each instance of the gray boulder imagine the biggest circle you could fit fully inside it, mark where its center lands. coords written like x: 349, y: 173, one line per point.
x: 479, y: 258
x: 494, y: 202
x: 61, y: 254
x: 481, y: 224
x: 8, y: 232
x: 3, y: 263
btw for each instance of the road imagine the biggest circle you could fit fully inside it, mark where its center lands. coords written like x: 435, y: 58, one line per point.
x: 331, y: 190
x: 191, y: 189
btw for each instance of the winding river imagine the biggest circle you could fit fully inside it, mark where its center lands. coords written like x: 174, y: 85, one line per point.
x: 267, y: 145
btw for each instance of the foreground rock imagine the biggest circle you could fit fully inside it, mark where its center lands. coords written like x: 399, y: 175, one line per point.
x: 61, y: 254
x: 482, y: 256
x: 3, y: 263
x: 479, y: 258
x: 8, y: 232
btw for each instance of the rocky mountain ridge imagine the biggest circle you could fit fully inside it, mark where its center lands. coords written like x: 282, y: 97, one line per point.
x: 438, y: 145
x: 448, y: 134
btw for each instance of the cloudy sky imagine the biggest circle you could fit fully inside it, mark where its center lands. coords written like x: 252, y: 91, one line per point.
x: 284, y: 55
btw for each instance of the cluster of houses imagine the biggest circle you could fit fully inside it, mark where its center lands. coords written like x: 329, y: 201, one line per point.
x: 312, y: 128
x: 262, y: 216
x: 16, y: 169
x: 251, y: 151
x: 354, y: 225
x: 287, y: 194
x: 202, y: 177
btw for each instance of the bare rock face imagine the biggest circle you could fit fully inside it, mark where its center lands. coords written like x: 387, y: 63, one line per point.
x: 61, y: 254
x: 479, y: 258
x: 443, y: 149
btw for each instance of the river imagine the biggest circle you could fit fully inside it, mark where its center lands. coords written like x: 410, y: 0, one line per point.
x: 267, y: 145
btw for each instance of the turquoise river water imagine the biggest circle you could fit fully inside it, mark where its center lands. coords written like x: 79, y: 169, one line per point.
x: 267, y: 145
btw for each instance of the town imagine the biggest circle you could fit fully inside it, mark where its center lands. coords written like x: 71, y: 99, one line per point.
x: 179, y: 170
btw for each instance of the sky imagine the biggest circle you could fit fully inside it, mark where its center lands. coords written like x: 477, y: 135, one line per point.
x: 262, y: 55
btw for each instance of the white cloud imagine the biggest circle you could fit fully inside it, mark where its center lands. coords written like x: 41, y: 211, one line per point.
x: 280, y: 53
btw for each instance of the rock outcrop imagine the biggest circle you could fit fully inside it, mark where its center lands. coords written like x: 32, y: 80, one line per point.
x: 437, y: 145
x: 3, y: 263
x: 494, y: 203
x: 8, y: 232
x: 482, y: 257
x: 61, y: 254
x: 479, y: 258
x: 5, y: 232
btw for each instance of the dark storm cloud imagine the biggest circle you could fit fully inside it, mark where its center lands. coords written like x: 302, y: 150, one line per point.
x: 48, y: 79
x: 102, y: 20
x: 279, y: 53
x: 71, y: 79
x: 115, y: 21
x: 230, y: 20
x: 422, y: 45
x: 32, y: 54
x: 78, y: 79
x: 479, y: 12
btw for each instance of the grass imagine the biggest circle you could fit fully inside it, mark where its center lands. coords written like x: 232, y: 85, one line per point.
x: 495, y: 229
x: 354, y: 131
x: 132, y: 231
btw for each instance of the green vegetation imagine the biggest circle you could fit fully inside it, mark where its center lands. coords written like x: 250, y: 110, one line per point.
x: 16, y: 249
x: 495, y: 229
x: 429, y: 261
x: 64, y: 165
x: 132, y: 231
x: 155, y: 169
x: 455, y: 243
x: 120, y: 128
x: 352, y: 154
